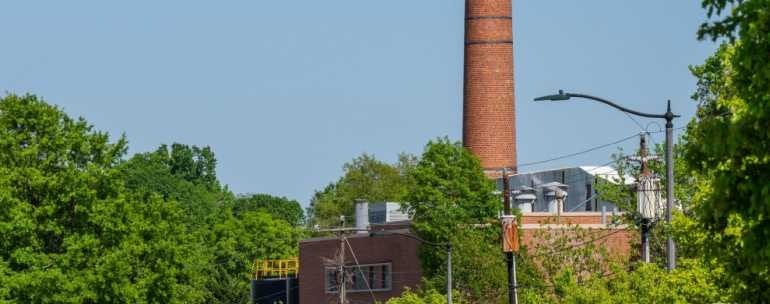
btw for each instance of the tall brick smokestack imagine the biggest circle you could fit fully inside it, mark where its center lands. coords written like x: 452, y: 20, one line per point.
x: 489, y: 124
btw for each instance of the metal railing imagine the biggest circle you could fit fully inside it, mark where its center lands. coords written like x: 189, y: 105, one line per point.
x: 281, y: 268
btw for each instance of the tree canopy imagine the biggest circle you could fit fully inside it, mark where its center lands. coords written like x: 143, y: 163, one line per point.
x: 279, y: 207
x: 79, y: 224
x: 728, y: 149
x: 451, y: 200
x: 69, y: 232
x: 366, y: 178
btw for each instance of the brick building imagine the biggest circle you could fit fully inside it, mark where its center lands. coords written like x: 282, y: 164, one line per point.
x: 534, y: 193
x: 603, y: 229
x: 386, y: 263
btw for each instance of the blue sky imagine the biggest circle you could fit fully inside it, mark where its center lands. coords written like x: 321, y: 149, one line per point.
x: 286, y: 92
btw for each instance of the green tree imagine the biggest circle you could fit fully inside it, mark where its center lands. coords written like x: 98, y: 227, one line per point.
x: 576, y: 268
x: 365, y: 178
x: 728, y: 149
x: 239, y: 241
x: 69, y: 231
x: 233, y: 232
x: 181, y: 173
x: 451, y: 200
x: 421, y: 297
x: 280, y: 207
x: 645, y: 283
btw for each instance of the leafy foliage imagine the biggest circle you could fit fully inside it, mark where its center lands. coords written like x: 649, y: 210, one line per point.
x: 280, y: 207
x: 693, y: 281
x: 239, y: 240
x: 184, y: 174
x: 365, y: 178
x: 80, y: 225
x: 233, y: 232
x: 422, y: 297
x: 728, y: 150
x: 69, y: 232
x: 450, y: 197
x: 576, y: 268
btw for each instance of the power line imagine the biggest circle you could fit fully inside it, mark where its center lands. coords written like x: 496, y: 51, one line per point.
x: 634, y: 120
x: 578, y: 153
x: 353, y: 253
x: 568, y: 178
x: 593, y: 148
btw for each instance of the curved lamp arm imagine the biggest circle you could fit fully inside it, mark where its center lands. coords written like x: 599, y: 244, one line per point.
x: 565, y: 96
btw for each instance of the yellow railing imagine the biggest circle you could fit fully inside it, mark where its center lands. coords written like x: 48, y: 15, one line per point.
x: 283, y: 268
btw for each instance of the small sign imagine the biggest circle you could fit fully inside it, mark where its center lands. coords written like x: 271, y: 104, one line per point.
x: 510, y: 234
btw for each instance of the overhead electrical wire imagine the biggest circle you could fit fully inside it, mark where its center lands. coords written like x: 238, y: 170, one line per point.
x: 590, y: 149
x: 578, y: 153
x: 358, y: 265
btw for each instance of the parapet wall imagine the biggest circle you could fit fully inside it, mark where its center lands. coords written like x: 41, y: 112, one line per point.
x: 603, y: 231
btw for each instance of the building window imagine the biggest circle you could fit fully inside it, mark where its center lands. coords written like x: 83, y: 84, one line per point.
x: 359, y: 278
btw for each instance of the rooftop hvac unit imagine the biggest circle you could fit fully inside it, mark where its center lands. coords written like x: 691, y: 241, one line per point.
x: 555, y: 194
x: 524, y: 198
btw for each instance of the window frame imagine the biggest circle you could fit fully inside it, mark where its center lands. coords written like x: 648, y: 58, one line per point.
x: 355, y: 269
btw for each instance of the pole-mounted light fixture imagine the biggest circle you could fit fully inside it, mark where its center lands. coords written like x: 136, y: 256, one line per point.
x: 669, y: 117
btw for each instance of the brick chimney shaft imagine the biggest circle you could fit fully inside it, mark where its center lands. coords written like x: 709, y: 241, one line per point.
x: 489, y: 123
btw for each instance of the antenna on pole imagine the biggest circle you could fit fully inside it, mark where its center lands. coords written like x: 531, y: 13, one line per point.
x: 338, y: 261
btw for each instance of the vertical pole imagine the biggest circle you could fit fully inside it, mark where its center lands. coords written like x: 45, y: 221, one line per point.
x: 511, y: 258
x: 645, y: 241
x: 288, y: 290
x: 515, y: 284
x: 449, y: 274
x: 341, y: 270
x: 670, y: 246
x: 506, y: 193
x: 604, y: 215
x: 645, y: 172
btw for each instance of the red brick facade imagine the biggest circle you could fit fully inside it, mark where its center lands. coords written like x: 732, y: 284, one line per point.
x: 489, y: 125
x: 400, y: 251
x: 616, y: 238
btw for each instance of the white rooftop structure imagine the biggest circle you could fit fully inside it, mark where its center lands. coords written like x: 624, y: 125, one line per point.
x: 608, y: 173
x: 579, y: 183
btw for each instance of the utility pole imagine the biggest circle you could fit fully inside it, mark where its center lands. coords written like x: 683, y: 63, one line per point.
x: 669, y: 117
x: 513, y: 296
x: 645, y: 222
x: 341, y: 264
x: 670, y: 246
x: 648, y: 196
x: 339, y: 260
x: 341, y: 271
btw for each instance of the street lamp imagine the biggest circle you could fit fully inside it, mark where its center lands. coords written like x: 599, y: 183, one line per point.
x: 447, y: 246
x: 669, y: 117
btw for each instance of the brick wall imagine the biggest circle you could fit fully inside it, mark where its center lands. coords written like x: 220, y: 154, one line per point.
x: 398, y: 250
x: 618, y: 239
x: 489, y: 129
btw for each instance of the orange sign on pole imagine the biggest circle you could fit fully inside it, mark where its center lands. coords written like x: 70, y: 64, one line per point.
x: 510, y: 234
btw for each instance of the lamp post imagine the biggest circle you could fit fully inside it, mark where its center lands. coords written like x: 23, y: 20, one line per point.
x: 669, y: 117
x: 447, y: 246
